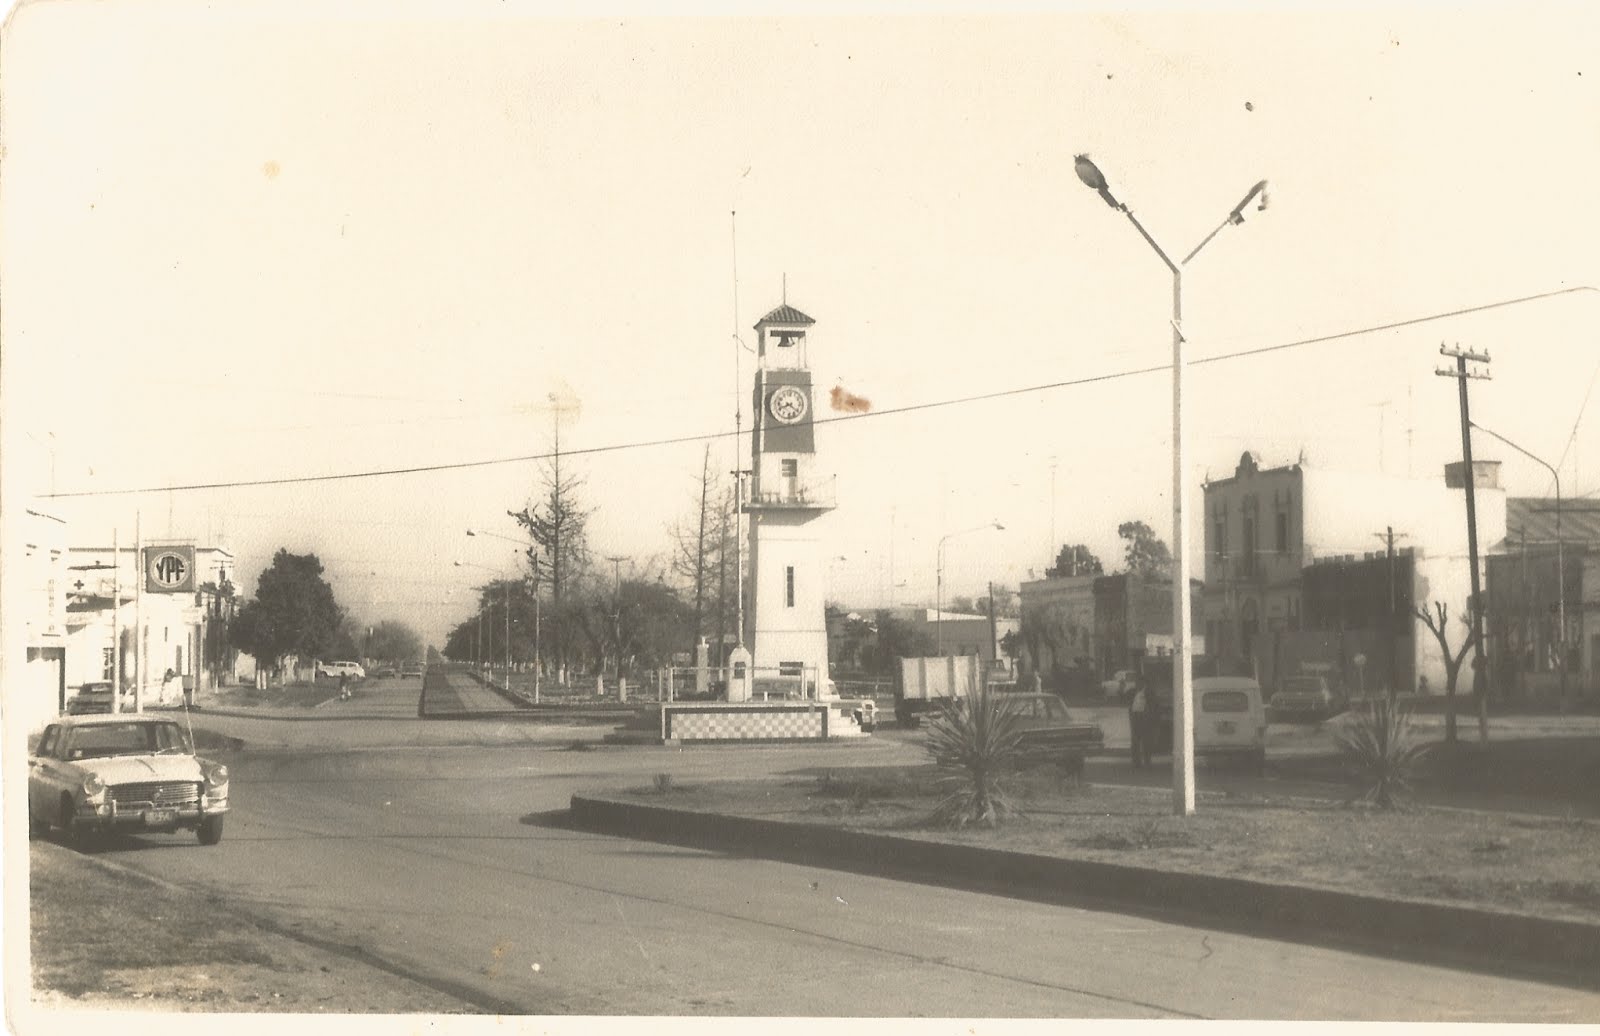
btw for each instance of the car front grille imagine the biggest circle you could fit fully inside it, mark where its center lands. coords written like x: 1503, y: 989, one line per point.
x: 156, y: 794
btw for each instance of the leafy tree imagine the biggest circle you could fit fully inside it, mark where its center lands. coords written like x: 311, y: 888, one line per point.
x: 1074, y: 559
x: 1438, y: 624
x: 640, y: 624
x: 1053, y: 628
x: 897, y: 639
x: 850, y: 639
x: 1145, y: 553
x: 293, y: 612
x: 963, y: 606
x: 393, y: 641
x: 1005, y: 603
x: 1011, y: 643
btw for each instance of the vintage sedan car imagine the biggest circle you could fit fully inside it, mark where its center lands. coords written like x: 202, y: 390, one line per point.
x: 1047, y: 734
x: 126, y: 772
x: 1305, y: 698
x: 411, y: 669
x: 354, y: 670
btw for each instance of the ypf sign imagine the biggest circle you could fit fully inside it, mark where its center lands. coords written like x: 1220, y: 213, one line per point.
x: 169, y: 570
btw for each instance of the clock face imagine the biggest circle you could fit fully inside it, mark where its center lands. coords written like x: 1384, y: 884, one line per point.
x: 788, y: 404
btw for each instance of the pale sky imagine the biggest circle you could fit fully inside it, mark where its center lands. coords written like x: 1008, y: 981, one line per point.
x: 258, y: 241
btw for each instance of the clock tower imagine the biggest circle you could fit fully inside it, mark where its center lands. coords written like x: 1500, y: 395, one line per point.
x: 788, y: 627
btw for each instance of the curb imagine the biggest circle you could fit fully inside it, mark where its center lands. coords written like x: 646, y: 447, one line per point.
x: 1567, y: 952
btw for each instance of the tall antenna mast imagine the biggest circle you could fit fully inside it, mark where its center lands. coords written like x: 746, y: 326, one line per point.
x: 738, y: 444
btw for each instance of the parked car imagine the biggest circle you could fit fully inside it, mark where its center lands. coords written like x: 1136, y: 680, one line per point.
x: 1050, y: 735
x: 350, y: 669
x: 385, y: 672
x: 123, y: 772
x: 1306, y: 697
x: 411, y: 669
x: 1121, y: 685
x: 1230, y: 722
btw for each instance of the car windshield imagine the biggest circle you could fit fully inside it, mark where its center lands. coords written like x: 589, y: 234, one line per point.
x: 107, y: 739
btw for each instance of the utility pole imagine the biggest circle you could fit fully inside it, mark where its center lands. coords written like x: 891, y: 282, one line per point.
x: 1394, y: 675
x: 1480, y: 673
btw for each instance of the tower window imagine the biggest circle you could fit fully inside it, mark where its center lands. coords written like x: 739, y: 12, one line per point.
x: 791, y: 467
x: 788, y: 587
x: 1283, y: 532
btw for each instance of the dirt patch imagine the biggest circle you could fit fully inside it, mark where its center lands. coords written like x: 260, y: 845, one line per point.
x: 1535, y: 865
x: 105, y: 938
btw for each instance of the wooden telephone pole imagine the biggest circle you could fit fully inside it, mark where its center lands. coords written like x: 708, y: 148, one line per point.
x: 1480, y: 673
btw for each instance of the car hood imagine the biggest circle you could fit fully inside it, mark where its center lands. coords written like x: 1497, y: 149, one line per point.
x: 133, y: 769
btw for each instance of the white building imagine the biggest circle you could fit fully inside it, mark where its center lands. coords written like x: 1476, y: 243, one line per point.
x: 106, y: 597
x: 1265, y: 526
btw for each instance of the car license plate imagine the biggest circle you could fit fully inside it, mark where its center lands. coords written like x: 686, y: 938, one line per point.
x: 158, y: 817
x: 1225, y: 727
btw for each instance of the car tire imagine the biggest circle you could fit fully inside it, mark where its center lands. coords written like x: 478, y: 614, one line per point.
x: 210, y: 830
x: 73, y: 833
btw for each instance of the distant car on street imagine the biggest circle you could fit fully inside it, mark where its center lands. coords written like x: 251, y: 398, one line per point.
x: 1121, y: 685
x: 385, y: 672
x: 122, y: 772
x: 353, y: 670
x: 92, y: 698
x: 1306, y: 698
x: 411, y: 669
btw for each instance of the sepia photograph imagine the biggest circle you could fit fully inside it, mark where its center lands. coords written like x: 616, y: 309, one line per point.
x: 535, y: 517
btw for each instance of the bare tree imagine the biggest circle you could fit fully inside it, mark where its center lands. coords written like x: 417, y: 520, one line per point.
x: 1438, y: 623
x: 559, y: 556
x: 694, y: 550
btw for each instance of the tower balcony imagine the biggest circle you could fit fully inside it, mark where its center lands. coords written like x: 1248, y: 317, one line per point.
x: 791, y: 493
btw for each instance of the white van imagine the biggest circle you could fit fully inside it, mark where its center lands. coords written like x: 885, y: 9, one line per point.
x: 1230, y: 719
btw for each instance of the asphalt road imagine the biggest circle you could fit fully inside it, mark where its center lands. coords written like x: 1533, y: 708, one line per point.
x: 422, y: 843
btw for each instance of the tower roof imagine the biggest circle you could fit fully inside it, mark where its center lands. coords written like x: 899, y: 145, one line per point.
x: 785, y: 314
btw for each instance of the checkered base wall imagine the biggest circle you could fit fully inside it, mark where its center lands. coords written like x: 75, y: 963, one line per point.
x: 753, y: 723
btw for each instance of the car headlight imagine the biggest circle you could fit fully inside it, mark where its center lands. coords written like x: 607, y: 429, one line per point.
x: 93, y: 786
x: 217, y: 776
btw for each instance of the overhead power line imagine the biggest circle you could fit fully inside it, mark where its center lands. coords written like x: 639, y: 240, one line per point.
x: 836, y: 419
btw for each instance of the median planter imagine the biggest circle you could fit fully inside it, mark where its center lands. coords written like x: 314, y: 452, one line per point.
x: 1552, y: 949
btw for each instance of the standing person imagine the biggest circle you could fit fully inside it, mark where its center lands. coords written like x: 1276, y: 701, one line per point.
x: 1138, y: 711
x: 344, y: 686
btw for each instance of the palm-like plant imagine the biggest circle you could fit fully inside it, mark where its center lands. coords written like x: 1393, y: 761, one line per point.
x: 975, y: 742
x: 1381, y: 751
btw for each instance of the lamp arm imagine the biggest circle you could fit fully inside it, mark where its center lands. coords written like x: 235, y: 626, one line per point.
x: 1152, y: 241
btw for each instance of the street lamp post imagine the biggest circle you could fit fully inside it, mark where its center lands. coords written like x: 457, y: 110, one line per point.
x: 938, y: 580
x: 1182, y: 675
x: 505, y: 585
x: 1561, y: 566
x: 531, y: 556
